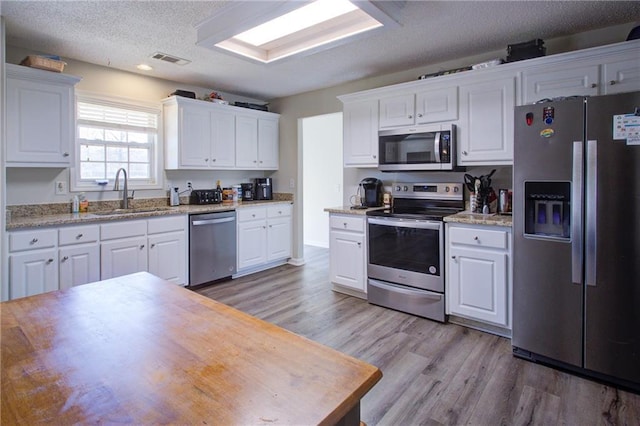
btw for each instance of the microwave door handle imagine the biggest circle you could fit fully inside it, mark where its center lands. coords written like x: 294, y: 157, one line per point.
x: 437, y: 147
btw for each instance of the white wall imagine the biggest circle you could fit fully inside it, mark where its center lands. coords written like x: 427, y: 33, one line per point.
x: 321, y: 174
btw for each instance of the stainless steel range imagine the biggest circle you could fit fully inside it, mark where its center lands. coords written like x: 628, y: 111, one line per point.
x: 406, y: 248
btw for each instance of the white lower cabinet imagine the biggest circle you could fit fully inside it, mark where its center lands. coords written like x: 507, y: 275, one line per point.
x: 264, y: 236
x: 167, y: 250
x: 122, y: 257
x: 33, y: 262
x: 479, y: 273
x: 79, y: 255
x: 348, y: 253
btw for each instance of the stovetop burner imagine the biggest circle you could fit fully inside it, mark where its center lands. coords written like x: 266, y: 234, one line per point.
x: 423, y: 201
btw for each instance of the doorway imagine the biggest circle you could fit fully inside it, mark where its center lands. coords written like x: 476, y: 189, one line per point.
x: 321, y: 175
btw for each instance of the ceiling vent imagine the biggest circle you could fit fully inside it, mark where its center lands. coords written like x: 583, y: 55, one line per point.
x: 169, y: 58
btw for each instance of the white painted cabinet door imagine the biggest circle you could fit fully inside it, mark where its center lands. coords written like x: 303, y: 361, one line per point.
x: 122, y: 257
x: 79, y: 265
x: 40, y: 117
x: 360, y: 134
x: 278, y: 238
x: 33, y: 272
x: 252, y: 243
x: 478, y: 284
x: 437, y: 105
x: 621, y: 76
x: 167, y: 256
x: 195, y: 137
x: 556, y: 80
x: 486, y: 122
x: 223, y: 140
x: 246, y: 142
x: 347, y: 259
x: 397, y: 111
x: 268, y: 144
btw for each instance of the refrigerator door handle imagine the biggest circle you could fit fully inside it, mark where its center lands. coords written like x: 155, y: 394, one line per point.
x: 576, y: 213
x: 590, y: 213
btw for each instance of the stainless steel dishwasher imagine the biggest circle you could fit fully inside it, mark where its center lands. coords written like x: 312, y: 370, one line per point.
x: 212, y: 246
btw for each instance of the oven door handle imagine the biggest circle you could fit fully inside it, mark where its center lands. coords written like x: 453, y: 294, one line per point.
x: 420, y: 224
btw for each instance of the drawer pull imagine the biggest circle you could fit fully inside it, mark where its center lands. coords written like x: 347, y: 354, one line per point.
x: 64, y: 259
x: 35, y: 240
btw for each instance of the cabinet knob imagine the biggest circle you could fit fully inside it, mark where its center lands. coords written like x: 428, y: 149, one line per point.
x: 213, y: 159
x: 65, y: 154
x: 270, y: 226
x: 453, y: 257
x: 49, y: 261
x: 345, y: 224
x: 374, y: 157
x: 253, y: 215
x: 79, y: 236
x: 612, y: 82
x: 35, y: 240
x: 206, y: 160
x: 152, y: 245
x: 64, y: 259
x: 465, y: 153
x: 264, y: 227
x: 141, y: 246
x: 419, y: 115
x: 359, y: 244
x: 476, y: 238
x: 594, y: 85
x: 255, y: 161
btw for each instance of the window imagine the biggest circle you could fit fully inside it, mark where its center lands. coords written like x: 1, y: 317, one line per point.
x: 112, y: 134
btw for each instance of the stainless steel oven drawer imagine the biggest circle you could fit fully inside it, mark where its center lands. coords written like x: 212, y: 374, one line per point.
x: 406, y: 299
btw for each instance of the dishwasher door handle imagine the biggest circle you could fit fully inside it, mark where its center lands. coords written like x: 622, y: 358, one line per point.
x: 212, y: 221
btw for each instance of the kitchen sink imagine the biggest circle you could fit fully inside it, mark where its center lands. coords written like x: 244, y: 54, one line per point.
x: 130, y: 211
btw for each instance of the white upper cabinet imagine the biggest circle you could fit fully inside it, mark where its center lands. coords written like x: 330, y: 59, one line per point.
x: 360, y: 133
x: 560, y: 80
x: 40, y: 112
x: 620, y: 74
x: 485, y: 128
x: 204, y: 135
x: 429, y: 106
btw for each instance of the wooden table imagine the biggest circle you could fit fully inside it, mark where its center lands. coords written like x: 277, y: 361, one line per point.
x: 137, y: 349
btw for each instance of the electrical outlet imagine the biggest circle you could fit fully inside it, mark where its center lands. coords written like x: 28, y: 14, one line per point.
x: 61, y: 187
x: 189, y: 185
x: 292, y: 183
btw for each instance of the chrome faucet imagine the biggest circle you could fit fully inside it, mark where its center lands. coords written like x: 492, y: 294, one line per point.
x: 125, y: 194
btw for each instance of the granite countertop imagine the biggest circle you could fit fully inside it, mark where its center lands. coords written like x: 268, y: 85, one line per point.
x: 492, y: 219
x: 38, y: 221
x: 349, y: 210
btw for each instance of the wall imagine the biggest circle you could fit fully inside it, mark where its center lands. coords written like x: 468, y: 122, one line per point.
x: 325, y: 102
x: 37, y: 185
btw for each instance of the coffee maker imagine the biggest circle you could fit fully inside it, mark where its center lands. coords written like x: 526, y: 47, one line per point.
x: 247, y: 191
x: 262, y: 189
x: 371, y: 192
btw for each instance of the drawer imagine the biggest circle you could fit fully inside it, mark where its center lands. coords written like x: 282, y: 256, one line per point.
x: 246, y: 214
x: 347, y: 223
x: 32, y: 240
x: 78, y: 235
x: 110, y: 231
x: 479, y: 237
x: 166, y: 224
x: 279, y: 210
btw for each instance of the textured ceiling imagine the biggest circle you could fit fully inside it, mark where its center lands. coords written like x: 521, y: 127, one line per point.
x: 121, y: 34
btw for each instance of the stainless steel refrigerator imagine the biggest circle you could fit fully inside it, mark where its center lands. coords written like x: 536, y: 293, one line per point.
x: 576, y: 252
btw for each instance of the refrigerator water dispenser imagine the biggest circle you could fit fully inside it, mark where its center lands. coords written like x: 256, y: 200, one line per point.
x: 547, y: 209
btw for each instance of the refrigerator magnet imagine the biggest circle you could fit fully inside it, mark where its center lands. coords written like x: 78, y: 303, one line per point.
x: 547, y: 133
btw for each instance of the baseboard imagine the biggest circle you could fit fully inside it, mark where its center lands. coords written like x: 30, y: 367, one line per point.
x: 296, y: 261
x: 348, y: 291
x: 477, y: 325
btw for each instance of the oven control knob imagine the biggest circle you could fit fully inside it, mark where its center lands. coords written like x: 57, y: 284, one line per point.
x: 446, y: 189
x: 405, y: 188
x: 456, y: 189
x: 398, y: 188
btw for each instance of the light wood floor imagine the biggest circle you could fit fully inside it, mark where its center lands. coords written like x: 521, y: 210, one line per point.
x: 433, y: 373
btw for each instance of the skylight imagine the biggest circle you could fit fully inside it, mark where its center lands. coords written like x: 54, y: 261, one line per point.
x: 315, y: 24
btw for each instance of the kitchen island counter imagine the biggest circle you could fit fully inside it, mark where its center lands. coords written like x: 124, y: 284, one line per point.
x: 140, y: 350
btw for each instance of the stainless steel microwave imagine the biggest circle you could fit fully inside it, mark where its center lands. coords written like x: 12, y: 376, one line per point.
x: 417, y: 148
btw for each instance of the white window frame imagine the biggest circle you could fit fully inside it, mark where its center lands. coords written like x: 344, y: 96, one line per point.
x: 156, y: 164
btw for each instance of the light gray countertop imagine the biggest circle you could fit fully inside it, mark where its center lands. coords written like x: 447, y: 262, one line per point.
x: 39, y: 221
